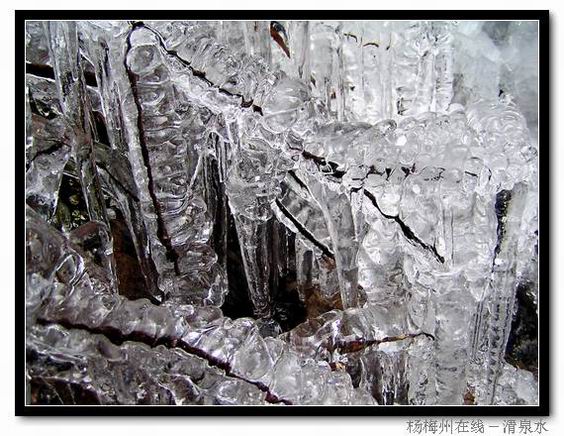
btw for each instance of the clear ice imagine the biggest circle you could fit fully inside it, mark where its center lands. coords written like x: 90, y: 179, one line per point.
x: 294, y: 212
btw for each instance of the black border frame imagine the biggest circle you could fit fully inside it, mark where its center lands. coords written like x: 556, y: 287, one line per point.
x: 543, y: 17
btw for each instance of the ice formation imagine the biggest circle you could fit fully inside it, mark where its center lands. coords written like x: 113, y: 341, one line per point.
x: 294, y: 212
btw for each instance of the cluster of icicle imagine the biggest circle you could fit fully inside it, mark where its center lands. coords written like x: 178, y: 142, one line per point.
x: 400, y: 184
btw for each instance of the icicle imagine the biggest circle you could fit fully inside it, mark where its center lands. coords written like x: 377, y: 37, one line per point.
x: 75, y: 105
x: 253, y: 240
x: 497, y: 312
x: 103, y: 47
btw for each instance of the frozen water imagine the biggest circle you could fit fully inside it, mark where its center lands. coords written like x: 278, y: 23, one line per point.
x: 280, y: 212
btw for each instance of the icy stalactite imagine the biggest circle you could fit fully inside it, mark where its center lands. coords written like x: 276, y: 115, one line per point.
x: 28, y: 126
x: 76, y: 111
x: 413, y: 61
x: 367, y: 54
x: 300, y: 48
x: 48, y: 142
x: 173, y: 165
x: 46, y: 161
x: 443, y: 65
x: 321, y: 216
x: 253, y: 240
x: 252, y: 185
x: 326, y: 66
x: 337, y: 213
x: 164, y: 142
x: 497, y: 313
x: 102, y: 44
x: 257, y: 40
x: 496, y: 305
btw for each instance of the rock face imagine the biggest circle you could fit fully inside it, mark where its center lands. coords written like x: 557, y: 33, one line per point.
x: 281, y: 212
